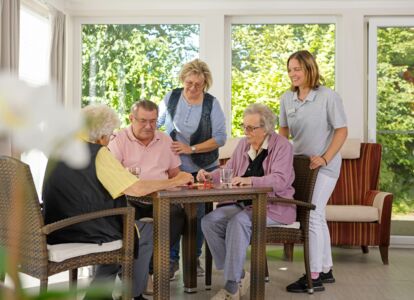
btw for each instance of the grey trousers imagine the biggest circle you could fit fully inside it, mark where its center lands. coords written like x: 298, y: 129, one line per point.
x: 228, y: 230
x: 107, y: 273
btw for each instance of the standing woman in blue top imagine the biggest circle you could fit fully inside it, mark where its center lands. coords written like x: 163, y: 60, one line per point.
x: 195, y: 121
x: 313, y: 115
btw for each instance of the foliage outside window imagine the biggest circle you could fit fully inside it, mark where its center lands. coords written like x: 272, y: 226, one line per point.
x: 124, y: 63
x: 395, y: 115
x: 259, y: 56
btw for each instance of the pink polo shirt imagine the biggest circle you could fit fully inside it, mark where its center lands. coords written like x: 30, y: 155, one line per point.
x: 154, y: 160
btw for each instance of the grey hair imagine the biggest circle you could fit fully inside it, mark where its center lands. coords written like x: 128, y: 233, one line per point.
x: 145, y: 104
x: 267, y: 118
x: 101, y: 121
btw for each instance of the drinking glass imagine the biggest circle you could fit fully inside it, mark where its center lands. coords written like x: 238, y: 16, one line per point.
x: 226, y: 175
x: 135, y: 170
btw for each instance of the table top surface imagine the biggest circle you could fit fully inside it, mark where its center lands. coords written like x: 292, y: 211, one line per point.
x: 212, y: 190
x: 201, y: 190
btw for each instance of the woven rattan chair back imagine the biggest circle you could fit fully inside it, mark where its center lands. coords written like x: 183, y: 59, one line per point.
x: 20, y: 209
x: 304, y: 185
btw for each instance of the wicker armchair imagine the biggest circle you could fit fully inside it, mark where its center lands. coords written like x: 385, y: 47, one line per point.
x: 298, y: 232
x: 16, y: 182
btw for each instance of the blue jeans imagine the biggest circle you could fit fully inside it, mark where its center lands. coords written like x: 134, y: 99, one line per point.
x: 201, y: 211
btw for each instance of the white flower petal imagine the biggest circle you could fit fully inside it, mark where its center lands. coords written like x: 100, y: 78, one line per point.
x: 75, y: 153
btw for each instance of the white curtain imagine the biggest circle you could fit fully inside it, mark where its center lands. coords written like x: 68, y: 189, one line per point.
x: 57, y: 52
x: 9, y: 49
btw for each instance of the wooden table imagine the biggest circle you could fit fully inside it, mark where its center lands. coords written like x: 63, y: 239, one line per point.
x: 189, y: 197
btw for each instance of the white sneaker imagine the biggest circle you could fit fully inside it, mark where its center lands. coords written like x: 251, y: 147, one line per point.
x: 244, y: 284
x: 225, y: 295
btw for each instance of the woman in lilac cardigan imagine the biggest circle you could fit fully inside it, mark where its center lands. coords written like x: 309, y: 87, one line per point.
x: 263, y: 159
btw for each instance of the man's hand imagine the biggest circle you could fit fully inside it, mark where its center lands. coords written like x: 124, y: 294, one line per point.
x: 203, y: 176
x: 183, y: 178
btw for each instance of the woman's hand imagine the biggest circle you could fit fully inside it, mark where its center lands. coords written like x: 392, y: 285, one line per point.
x: 203, y: 176
x: 180, y: 148
x: 317, y: 161
x: 241, y: 181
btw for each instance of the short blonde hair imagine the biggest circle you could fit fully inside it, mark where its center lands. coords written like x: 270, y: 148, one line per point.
x: 267, y: 118
x: 101, y: 121
x: 197, y: 67
x: 309, y: 66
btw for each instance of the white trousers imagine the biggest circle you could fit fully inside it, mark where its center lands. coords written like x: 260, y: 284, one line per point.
x: 319, y: 238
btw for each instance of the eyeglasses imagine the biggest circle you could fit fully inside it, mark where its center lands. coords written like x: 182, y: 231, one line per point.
x: 112, y: 136
x: 144, y: 122
x: 196, y: 85
x: 250, y: 129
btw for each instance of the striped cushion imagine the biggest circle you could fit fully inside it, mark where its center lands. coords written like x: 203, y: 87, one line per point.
x: 357, y: 177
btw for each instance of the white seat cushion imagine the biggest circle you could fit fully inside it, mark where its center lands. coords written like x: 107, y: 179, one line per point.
x: 61, y: 252
x: 352, y: 213
x: 294, y: 225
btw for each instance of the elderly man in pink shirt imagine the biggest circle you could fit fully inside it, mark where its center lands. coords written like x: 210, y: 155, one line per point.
x: 262, y: 158
x: 143, y: 147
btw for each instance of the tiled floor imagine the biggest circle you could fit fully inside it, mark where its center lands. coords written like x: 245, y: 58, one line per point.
x: 358, y: 276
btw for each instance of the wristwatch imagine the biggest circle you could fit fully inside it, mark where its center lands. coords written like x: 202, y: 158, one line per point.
x: 193, y: 149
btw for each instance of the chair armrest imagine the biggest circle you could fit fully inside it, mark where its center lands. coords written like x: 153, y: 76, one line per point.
x: 127, y: 212
x: 383, y: 202
x: 307, y: 205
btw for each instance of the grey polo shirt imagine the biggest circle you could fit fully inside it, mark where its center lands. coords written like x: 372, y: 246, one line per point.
x: 312, y: 123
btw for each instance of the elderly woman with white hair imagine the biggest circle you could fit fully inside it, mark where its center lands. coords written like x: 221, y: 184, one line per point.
x: 261, y: 159
x: 101, y: 185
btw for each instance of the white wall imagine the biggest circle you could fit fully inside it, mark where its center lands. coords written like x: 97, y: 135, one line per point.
x: 214, y: 15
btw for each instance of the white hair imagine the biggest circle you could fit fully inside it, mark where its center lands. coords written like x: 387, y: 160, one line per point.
x: 267, y: 118
x: 101, y: 120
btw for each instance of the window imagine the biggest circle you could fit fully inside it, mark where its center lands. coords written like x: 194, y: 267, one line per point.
x: 122, y: 63
x: 34, y: 47
x: 391, y: 106
x: 34, y: 68
x: 259, y: 56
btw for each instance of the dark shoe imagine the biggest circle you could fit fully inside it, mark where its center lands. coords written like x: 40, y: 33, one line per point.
x: 174, y: 267
x: 140, y: 297
x: 327, y: 277
x: 200, y: 270
x: 301, y: 286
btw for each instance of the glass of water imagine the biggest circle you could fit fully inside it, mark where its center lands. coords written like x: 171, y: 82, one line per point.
x: 226, y: 175
x: 135, y: 170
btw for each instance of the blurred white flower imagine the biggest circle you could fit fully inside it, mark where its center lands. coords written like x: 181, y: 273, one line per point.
x: 31, y: 116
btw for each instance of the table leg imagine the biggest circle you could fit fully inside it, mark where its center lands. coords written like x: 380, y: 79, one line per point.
x: 161, y: 256
x: 258, y: 257
x: 189, y: 248
x: 208, y: 257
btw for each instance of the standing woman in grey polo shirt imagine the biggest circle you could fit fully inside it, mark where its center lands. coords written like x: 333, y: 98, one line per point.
x: 313, y: 115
